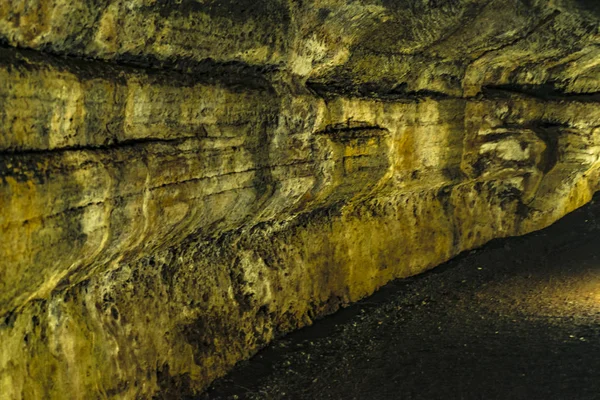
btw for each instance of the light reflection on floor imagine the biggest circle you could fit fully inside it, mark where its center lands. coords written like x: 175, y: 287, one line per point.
x: 563, y: 288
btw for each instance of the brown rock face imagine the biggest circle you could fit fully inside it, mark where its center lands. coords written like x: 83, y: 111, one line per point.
x: 182, y: 181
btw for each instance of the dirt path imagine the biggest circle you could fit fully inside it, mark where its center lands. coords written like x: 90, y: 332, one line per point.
x: 517, y: 319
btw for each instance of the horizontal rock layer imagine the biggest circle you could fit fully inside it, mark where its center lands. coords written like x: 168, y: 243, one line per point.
x: 181, y: 182
x: 453, y: 47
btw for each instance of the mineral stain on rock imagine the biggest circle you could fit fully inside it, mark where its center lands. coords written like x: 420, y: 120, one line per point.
x: 182, y: 182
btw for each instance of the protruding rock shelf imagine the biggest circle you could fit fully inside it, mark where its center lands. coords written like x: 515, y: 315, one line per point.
x: 182, y: 181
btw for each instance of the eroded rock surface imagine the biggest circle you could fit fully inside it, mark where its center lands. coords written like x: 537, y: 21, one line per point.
x: 182, y: 181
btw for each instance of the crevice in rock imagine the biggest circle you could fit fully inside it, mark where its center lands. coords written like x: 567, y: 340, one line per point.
x: 129, y: 143
x: 372, y: 90
x: 235, y: 75
x: 547, y: 91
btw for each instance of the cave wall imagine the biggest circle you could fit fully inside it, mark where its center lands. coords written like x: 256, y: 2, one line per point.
x: 183, y: 181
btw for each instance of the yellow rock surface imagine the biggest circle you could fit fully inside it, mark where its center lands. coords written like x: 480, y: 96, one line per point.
x: 182, y: 181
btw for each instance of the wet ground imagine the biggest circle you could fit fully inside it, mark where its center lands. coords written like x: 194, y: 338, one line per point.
x: 516, y: 319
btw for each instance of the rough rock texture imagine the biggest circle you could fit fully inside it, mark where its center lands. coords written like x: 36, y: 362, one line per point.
x: 182, y: 181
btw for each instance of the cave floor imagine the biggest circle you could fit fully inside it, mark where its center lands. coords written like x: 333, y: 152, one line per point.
x: 516, y: 319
